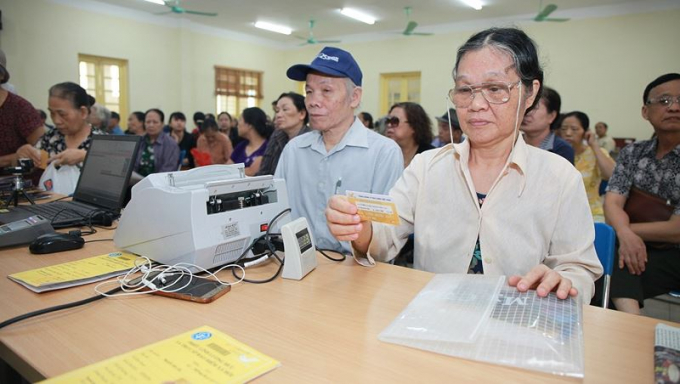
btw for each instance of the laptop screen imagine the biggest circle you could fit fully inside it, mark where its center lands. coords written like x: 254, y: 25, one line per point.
x: 106, y: 171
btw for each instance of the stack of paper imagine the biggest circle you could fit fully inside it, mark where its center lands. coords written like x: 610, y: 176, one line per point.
x: 77, y: 272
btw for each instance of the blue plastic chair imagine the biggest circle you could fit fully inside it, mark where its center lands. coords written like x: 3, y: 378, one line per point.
x: 605, y: 246
x: 182, y: 156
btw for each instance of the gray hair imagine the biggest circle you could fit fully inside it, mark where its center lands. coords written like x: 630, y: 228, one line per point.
x: 103, y: 114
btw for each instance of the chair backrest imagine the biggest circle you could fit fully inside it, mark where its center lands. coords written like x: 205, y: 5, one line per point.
x: 605, y: 240
x: 182, y: 156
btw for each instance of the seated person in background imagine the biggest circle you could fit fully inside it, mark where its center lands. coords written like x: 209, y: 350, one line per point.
x: 43, y: 120
x: 178, y: 124
x: 226, y: 126
x: 199, y: 118
x: 448, y: 134
x: 99, y: 117
x: 214, y: 142
x: 593, y: 162
x: 606, y: 142
x: 254, y: 130
x: 67, y: 144
x: 20, y: 124
x: 366, y: 119
x: 290, y: 120
x: 158, y: 152
x: 339, y: 153
x: 136, y: 124
x: 113, y: 127
x: 645, y: 267
x: 409, y: 126
x: 537, y: 124
x: 518, y: 211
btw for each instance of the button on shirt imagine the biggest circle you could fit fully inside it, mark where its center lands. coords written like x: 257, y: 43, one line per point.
x: 535, y: 213
x: 363, y: 160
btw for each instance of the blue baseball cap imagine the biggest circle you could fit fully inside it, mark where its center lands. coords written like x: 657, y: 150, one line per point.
x: 330, y: 61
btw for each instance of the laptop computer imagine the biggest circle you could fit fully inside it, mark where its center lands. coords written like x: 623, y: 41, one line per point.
x: 101, y: 187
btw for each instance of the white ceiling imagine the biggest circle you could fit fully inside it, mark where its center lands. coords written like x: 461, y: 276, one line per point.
x: 236, y: 17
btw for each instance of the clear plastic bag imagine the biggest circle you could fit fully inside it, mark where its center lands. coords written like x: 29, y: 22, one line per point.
x: 515, y: 329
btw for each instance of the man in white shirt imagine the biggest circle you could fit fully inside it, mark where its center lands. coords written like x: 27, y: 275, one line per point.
x: 603, y: 140
x: 339, y: 154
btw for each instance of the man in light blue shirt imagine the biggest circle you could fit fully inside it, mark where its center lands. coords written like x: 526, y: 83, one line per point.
x: 339, y: 154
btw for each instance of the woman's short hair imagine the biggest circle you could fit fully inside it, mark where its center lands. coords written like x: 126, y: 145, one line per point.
x: 298, y: 101
x: 73, y: 93
x: 208, y: 125
x: 513, y: 41
x: 367, y: 118
x: 258, y: 119
x: 177, y: 115
x: 418, y: 120
x: 139, y: 115
x: 580, y: 116
x: 158, y: 111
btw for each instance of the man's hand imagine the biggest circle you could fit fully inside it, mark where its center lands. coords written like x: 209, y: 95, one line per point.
x: 632, y: 252
x: 544, y: 280
x: 68, y: 157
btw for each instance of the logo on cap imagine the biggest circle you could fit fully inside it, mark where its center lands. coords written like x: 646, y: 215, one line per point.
x: 324, y: 56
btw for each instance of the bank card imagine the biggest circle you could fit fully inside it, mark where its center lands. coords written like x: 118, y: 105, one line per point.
x: 374, y: 207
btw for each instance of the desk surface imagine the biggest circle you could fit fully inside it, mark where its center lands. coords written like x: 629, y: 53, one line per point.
x: 322, y: 329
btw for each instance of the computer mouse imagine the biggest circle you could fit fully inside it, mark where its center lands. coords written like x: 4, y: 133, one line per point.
x: 55, y: 242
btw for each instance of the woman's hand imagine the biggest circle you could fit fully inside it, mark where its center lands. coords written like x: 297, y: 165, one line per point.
x: 591, y: 138
x: 27, y: 151
x: 632, y: 252
x: 342, y: 218
x: 68, y: 157
x: 544, y: 280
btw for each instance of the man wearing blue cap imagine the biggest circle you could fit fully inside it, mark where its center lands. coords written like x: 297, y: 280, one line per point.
x: 339, y: 154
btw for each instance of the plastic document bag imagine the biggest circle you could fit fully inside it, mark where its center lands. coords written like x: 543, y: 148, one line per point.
x: 519, y: 330
x: 62, y: 180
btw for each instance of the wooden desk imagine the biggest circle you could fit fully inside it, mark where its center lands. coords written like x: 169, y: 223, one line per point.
x: 322, y: 329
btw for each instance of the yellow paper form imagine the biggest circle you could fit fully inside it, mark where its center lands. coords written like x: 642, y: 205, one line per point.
x: 203, y: 355
x: 76, y: 272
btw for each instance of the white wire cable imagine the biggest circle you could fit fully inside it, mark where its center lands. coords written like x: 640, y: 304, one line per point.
x: 145, y: 284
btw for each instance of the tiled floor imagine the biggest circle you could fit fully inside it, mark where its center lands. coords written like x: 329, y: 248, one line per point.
x: 664, y: 307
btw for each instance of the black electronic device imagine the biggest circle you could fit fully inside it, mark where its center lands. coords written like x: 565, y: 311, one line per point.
x: 101, y: 187
x: 198, y: 290
x: 56, y: 242
x: 23, y: 167
x: 24, y: 231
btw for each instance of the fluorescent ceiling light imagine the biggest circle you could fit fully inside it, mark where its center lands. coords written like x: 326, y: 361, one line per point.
x: 356, y: 15
x: 273, y: 27
x: 159, y: 2
x: 476, y: 4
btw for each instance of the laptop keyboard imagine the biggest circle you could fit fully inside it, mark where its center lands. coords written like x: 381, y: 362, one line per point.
x: 57, y: 213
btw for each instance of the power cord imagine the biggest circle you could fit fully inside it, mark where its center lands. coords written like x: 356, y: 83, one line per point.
x: 56, y: 308
x: 323, y: 251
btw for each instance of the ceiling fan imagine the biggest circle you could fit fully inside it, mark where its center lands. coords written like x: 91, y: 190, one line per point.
x: 310, y: 39
x: 175, y: 7
x: 543, y: 13
x: 411, y: 25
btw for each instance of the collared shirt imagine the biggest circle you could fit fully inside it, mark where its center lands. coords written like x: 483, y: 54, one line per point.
x: 165, y: 153
x: 363, y: 161
x: 638, y: 166
x: 558, y: 146
x: 535, y: 213
x: 607, y: 143
x: 277, y: 142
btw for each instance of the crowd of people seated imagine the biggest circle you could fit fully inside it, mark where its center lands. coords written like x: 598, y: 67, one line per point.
x: 520, y: 181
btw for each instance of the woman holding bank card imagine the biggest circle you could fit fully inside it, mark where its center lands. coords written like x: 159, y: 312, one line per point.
x: 491, y: 204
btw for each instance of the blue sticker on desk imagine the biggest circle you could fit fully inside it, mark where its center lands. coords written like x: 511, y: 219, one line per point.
x: 201, y: 335
x: 115, y: 254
